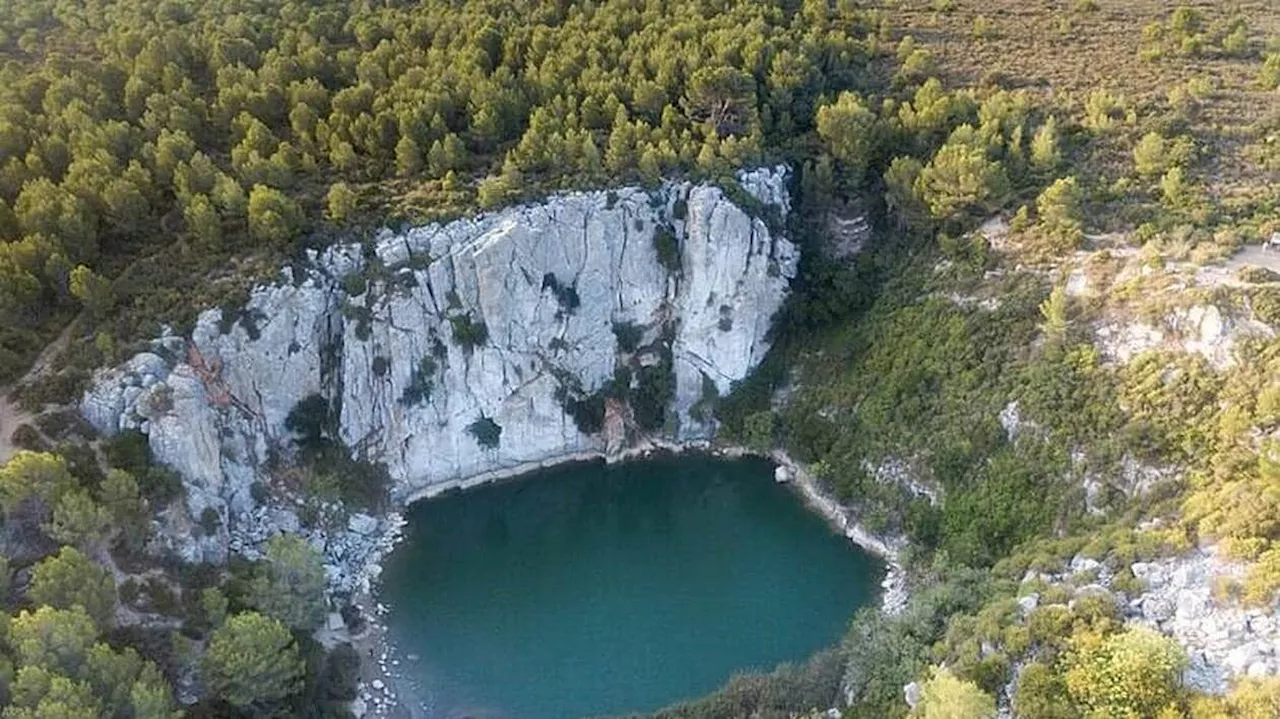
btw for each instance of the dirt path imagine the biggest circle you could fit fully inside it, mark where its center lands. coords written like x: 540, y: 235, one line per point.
x: 1225, y: 272
x: 1254, y: 256
x: 11, y: 416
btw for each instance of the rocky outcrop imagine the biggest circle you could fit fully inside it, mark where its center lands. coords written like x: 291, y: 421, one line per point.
x: 458, y: 351
x: 1223, y: 639
x: 1182, y: 597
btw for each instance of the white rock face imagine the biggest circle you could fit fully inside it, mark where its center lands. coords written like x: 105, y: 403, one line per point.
x: 553, y: 285
x: 1201, y: 329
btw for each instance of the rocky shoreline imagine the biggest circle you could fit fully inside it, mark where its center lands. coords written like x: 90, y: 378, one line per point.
x: 384, y: 689
x: 788, y: 471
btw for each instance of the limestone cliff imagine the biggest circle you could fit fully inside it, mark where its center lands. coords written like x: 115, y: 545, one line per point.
x: 459, y: 351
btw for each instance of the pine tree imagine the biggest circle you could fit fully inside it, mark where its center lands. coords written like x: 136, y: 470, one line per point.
x: 70, y: 580
x: 252, y: 663
x: 341, y: 202
x: 408, y: 157
x: 290, y: 586
x: 1045, y: 153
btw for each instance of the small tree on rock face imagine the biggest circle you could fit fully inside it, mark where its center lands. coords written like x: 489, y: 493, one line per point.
x: 1054, y: 312
x: 900, y: 195
x: 41, y: 694
x: 79, y: 521
x: 252, y: 662
x: 961, y: 179
x: 203, y: 222
x: 1045, y: 153
x: 291, y: 587
x: 408, y: 157
x: 34, y: 475
x: 1060, y: 213
x: 1149, y: 155
x: 721, y: 97
x: 122, y: 498
x: 91, y: 290
x: 150, y: 696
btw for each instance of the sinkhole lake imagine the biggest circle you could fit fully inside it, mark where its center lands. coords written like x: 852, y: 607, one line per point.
x: 590, y: 590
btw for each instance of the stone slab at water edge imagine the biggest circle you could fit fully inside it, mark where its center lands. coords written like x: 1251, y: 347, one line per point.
x: 472, y: 348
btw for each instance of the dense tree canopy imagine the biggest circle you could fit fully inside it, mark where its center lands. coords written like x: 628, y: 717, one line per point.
x: 127, y: 127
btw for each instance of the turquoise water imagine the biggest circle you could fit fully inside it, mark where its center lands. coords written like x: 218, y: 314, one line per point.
x: 590, y: 590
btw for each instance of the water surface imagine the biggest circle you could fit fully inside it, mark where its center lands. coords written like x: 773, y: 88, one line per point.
x: 588, y: 590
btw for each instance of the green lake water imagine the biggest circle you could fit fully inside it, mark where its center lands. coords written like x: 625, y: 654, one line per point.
x: 589, y: 590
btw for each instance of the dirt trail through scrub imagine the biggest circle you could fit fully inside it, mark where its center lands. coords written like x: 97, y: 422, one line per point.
x: 11, y: 416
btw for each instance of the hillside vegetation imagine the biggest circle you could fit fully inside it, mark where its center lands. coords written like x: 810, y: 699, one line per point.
x: 157, y: 158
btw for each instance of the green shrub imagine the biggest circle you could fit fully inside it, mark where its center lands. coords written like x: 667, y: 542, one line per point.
x: 128, y: 450
x: 355, y: 284
x: 788, y: 691
x: 1254, y: 275
x: 628, y: 335
x: 1266, y: 304
x: 1269, y: 77
x: 314, y: 422
x: 28, y: 438
x: 421, y: 383
x: 468, y: 333
x: 664, y: 243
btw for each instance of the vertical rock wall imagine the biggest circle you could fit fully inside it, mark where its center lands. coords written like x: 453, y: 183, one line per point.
x: 584, y: 324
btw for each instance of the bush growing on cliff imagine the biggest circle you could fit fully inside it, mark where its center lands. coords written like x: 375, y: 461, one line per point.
x: 313, y: 421
x: 628, y: 335
x: 467, y: 332
x: 329, y: 469
x: 486, y: 432
x: 944, y: 696
x: 667, y: 248
x: 421, y: 383
x: 70, y: 579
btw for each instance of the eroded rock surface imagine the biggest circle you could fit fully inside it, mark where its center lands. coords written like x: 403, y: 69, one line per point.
x: 484, y: 346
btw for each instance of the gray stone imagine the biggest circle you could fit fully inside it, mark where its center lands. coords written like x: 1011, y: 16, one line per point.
x: 781, y: 474
x: 1028, y: 603
x: 912, y: 693
x: 1157, y: 609
x: 362, y: 524
x: 1080, y: 565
